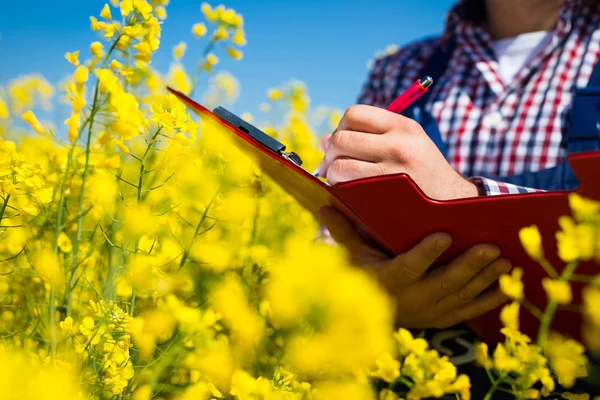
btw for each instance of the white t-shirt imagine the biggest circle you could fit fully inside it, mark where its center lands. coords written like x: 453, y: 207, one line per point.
x: 513, y: 53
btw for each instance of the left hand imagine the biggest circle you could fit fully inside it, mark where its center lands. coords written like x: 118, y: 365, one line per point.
x: 371, y: 141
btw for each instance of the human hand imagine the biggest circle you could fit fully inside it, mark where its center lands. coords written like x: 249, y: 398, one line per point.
x: 439, y: 298
x: 370, y: 141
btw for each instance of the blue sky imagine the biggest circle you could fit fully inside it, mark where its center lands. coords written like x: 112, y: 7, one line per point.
x: 325, y: 44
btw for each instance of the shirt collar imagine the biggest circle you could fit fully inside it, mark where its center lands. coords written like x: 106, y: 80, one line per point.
x: 472, y: 13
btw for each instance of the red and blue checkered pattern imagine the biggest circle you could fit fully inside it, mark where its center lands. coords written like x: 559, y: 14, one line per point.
x: 493, y: 129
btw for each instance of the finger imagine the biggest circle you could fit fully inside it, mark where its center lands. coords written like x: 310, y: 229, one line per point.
x: 452, y: 277
x: 357, y: 145
x: 363, y: 118
x: 341, y: 229
x: 408, y: 267
x: 484, y: 279
x: 347, y: 169
x: 484, y: 303
x: 324, y: 141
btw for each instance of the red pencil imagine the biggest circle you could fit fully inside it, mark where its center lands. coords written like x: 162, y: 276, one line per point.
x: 410, y: 95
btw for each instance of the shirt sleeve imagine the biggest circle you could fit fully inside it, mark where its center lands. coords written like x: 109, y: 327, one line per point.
x: 490, y: 187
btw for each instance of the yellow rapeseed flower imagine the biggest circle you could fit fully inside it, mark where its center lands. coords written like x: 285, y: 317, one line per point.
x: 160, y: 12
x: 211, y: 60
x: 73, y: 58
x: 239, y: 37
x: 199, y: 29
x: 567, y: 358
x: 558, y: 291
x: 31, y: 119
x: 72, y: 124
x: 481, y: 355
x: 584, y: 209
x: 81, y: 75
x: 64, y: 243
x: 114, y: 64
x: 591, y: 304
x: 208, y: 12
x: 388, y: 368
x: 576, y: 241
x: 97, y: 49
x: 510, y: 315
x: 234, y: 53
x: 504, y: 361
x: 531, y: 240
x: 220, y: 34
x: 67, y: 325
x: 4, y: 114
x: 275, y: 94
x: 179, y: 50
x: 105, y: 13
x: 511, y: 284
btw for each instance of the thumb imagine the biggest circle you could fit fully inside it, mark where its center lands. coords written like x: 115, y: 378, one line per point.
x: 341, y: 229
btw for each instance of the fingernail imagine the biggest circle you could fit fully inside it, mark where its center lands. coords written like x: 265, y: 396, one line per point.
x: 317, y: 172
x: 443, y: 243
x: 490, y: 255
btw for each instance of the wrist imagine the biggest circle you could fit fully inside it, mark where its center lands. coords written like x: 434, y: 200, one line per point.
x: 468, y: 189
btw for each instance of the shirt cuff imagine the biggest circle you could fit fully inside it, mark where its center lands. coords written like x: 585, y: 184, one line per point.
x: 490, y: 187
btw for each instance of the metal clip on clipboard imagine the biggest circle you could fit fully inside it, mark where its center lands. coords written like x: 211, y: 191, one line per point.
x: 258, y: 135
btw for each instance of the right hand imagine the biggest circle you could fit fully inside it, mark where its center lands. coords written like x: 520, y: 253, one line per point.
x: 440, y: 298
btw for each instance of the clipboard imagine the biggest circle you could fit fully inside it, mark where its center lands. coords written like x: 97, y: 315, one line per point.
x: 394, y: 212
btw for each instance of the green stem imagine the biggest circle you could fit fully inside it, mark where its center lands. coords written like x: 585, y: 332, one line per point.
x: 143, y: 165
x: 207, y: 50
x: 81, y: 200
x: 52, y: 323
x: 551, y: 307
x: 495, y: 385
x: 187, y: 249
x: 4, y: 206
x: 61, y: 202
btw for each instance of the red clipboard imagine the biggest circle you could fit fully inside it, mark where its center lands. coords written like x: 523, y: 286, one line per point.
x: 397, y: 215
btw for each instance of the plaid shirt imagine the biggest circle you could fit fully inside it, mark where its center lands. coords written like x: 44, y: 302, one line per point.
x: 493, y: 129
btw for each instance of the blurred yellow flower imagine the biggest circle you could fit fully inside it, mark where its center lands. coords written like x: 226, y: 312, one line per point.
x: 239, y: 37
x: 481, y: 355
x: 576, y: 241
x: 179, y: 50
x: 234, y: 53
x: 531, y: 239
x: 558, y: 291
x: 220, y: 34
x: 511, y: 285
x: 67, y: 325
x: 199, y: 29
x: 567, y: 359
x: 32, y: 120
x: 97, y: 49
x: 73, y: 58
x: 275, y: 94
x: 591, y: 304
x: 80, y: 76
x: 105, y: 13
x: 160, y: 12
x: 4, y: 113
x: 64, y: 243
x: 510, y: 316
x: 388, y: 368
x: 114, y: 64
x: 584, y: 210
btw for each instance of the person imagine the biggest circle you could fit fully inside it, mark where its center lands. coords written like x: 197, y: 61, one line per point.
x: 506, y: 108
